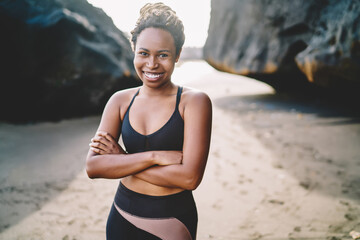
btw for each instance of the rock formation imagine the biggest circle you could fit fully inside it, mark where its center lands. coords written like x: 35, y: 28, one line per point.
x: 288, y: 43
x: 59, y: 59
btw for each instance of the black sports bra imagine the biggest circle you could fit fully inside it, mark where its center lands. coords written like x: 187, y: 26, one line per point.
x: 168, y: 137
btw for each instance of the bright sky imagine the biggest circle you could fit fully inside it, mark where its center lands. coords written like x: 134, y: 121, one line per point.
x: 195, y: 15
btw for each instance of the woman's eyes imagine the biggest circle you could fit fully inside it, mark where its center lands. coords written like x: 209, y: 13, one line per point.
x: 145, y: 54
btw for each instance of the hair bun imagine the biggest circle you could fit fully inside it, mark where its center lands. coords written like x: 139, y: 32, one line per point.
x: 155, y: 9
x: 159, y: 15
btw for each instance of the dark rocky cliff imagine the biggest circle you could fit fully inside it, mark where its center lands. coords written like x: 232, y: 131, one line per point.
x: 59, y: 59
x: 289, y: 43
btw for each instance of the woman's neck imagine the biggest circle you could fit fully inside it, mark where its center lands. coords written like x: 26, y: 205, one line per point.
x: 166, y: 89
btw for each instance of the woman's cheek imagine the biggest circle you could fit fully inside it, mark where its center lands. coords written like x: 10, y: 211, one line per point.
x: 137, y: 65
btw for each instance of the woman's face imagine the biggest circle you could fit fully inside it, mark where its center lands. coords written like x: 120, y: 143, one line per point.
x: 155, y: 56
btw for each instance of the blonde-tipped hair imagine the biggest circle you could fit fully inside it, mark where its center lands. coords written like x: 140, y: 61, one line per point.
x: 159, y: 15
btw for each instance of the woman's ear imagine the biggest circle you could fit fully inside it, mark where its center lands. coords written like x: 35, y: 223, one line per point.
x: 178, y: 56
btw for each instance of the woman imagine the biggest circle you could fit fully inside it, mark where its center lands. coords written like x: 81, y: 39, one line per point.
x: 166, y: 132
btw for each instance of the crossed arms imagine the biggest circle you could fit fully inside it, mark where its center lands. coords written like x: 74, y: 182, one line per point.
x: 182, y: 169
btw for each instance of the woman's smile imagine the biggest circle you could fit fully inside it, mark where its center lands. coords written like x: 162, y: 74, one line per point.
x: 153, y: 76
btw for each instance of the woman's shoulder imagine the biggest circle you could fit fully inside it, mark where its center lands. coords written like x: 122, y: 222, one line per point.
x: 124, y: 95
x: 126, y: 92
x: 194, y: 100
x: 195, y: 103
x: 190, y: 95
x: 121, y: 99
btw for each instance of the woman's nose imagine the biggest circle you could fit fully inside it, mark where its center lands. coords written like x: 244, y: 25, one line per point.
x: 152, y: 62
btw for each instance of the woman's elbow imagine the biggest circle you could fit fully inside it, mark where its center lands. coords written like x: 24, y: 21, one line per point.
x: 90, y: 173
x: 91, y: 169
x: 191, y: 187
x: 192, y: 182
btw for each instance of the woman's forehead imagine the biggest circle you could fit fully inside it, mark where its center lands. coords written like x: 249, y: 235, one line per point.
x: 155, y: 38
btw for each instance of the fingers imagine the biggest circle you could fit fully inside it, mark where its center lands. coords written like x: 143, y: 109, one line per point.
x: 97, y: 145
x: 97, y: 150
x: 104, y: 143
x: 103, y: 137
x: 168, y: 157
x: 106, y: 135
x: 100, y: 140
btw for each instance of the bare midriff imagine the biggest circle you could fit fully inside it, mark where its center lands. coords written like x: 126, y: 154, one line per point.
x: 140, y: 186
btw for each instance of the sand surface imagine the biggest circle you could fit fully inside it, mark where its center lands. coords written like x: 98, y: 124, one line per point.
x: 279, y: 168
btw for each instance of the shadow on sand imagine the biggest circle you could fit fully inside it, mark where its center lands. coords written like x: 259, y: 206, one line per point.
x: 315, y: 139
x: 37, y: 163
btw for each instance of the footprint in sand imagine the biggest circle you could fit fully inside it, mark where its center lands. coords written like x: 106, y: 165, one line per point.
x: 216, y: 154
x: 244, y: 192
x: 217, y: 205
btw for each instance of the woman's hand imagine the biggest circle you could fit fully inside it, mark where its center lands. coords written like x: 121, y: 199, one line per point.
x: 163, y: 158
x: 104, y: 143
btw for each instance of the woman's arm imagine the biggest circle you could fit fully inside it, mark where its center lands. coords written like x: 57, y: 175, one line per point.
x: 106, y: 158
x: 114, y: 166
x: 197, y: 133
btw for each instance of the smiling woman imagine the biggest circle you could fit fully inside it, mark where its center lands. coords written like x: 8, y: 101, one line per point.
x: 166, y: 131
x: 155, y: 66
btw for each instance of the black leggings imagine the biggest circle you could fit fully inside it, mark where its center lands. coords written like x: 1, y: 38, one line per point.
x: 138, y: 216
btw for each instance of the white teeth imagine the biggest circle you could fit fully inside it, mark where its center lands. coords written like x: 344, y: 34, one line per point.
x: 152, y: 75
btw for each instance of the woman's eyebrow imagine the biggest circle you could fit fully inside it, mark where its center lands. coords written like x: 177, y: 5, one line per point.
x: 147, y: 50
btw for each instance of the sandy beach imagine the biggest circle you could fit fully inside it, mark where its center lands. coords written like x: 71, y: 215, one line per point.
x: 279, y: 168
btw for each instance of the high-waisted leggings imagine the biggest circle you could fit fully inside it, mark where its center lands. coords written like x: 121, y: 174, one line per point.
x: 136, y: 216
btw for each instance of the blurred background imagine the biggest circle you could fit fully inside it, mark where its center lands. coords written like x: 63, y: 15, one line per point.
x: 194, y: 15
x: 284, y: 80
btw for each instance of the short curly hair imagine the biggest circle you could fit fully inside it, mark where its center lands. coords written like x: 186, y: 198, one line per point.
x: 159, y: 15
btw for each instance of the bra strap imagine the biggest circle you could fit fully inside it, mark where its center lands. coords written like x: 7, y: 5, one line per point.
x: 178, y: 96
x: 132, y: 100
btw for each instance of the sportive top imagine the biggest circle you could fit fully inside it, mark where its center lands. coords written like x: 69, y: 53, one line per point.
x: 168, y: 137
